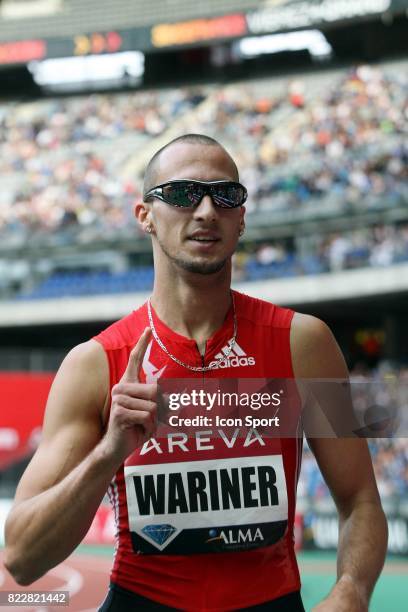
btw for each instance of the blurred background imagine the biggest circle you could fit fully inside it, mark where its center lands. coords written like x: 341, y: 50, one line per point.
x: 311, y: 99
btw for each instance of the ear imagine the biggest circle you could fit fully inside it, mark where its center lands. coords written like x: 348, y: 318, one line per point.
x: 242, y: 217
x: 143, y: 215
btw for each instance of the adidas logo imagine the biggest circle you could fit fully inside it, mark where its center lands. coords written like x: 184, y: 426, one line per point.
x: 236, y: 359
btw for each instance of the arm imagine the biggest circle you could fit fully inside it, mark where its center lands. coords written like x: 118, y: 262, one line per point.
x: 67, y: 478
x: 347, y: 469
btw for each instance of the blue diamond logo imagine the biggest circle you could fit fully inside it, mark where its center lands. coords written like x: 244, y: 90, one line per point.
x: 159, y: 533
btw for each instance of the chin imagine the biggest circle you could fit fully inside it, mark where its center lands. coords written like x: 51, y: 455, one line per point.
x: 201, y: 267
x: 196, y: 265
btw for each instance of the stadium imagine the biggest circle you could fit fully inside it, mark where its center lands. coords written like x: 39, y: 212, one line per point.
x: 310, y: 97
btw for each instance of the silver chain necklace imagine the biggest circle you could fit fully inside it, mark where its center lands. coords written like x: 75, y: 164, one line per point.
x: 227, y: 353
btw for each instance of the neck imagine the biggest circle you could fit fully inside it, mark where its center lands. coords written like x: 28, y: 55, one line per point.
x: 191, y: 304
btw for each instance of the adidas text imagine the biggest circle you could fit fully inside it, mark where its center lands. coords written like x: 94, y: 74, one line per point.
x: 236, y: 359
x: 234, y: 362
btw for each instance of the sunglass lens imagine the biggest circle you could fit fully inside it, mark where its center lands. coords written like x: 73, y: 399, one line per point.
x: 173, y: 194
x: 182, y: 194
x: 228, y: 196
x: 225, y: 195
x: 194, y: 194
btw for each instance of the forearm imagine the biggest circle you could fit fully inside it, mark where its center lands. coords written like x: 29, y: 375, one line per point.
x: 43, y: 530
x: 362, y: 548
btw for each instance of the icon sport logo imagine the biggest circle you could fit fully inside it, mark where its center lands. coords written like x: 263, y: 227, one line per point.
x: 236, y: 359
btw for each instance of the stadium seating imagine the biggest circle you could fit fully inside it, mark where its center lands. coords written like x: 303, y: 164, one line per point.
x: 315, y: 149
x: 60, y: 285
x: 67, y: 163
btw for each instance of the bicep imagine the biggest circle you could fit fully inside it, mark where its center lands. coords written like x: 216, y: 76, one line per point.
x: 345, y: 461
x: 347, y: 468
x: 72, y: 422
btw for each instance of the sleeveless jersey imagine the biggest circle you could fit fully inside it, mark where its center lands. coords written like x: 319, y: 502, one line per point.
x: 206, y: 522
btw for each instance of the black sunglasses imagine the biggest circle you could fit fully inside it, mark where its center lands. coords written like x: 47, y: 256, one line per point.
x: 186, y: 193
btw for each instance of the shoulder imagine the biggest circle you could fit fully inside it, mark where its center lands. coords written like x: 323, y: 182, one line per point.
x: 82, y: 379
x: 87, y: 355
x: 262, y: 312
x: 308, y: 332
x: 315, y: 352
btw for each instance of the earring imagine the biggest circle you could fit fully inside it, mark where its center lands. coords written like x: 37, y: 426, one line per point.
x: 241, y: 231
x: 148, y: 229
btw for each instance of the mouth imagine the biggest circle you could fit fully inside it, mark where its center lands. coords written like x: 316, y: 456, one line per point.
x: 204, y: 240
x: 204, y: 243
x: 204, y: 237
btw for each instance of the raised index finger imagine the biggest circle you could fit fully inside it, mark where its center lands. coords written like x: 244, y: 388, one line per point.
x: 131, y: 374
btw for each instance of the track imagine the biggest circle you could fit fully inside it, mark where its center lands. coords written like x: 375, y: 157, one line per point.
x: 86, y: 578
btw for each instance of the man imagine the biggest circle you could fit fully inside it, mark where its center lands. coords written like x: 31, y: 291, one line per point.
x: 100, y: 425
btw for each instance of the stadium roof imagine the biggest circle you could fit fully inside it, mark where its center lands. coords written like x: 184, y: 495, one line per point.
x: 72, y: 17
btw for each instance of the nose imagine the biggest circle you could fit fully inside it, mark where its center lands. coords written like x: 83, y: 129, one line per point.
x: 206, y: 209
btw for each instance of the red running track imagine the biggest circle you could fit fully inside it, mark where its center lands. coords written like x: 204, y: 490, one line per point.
x: 86, y: 577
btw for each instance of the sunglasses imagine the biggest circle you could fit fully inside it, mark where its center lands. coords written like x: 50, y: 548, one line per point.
x: 186, y: 193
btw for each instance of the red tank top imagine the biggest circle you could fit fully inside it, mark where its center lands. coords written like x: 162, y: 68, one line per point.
x: 183, y: 539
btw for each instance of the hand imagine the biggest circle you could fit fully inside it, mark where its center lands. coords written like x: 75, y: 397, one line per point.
x: 344, y: 597
x: 133, y: 414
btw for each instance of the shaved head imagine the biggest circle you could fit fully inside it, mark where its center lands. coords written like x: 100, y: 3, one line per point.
x: 152, y: 173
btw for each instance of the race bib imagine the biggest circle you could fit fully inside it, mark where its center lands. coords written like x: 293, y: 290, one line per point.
x: 217, y: 505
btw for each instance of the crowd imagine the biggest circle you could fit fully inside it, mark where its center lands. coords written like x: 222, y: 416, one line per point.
x: 386, y: 385
x: 378, y: 246
x: 381, y: 245
x: 62, y: 163
x: 338, y: 141
x: 327, y: 144
x: 29, y: 130
x: 390, y: 461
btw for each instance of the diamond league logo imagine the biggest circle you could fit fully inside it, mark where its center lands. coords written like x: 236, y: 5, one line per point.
x: 159, y: 533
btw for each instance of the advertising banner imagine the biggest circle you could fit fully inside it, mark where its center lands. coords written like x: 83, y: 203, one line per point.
x: 22, y: 404
x: 307, y: 13
x: 320, y: 532
x: 276, y: 16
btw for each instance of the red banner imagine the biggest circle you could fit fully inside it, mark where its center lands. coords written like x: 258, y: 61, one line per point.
x: 103, y: 528
x: 22, y: 51
x: 22, y: 404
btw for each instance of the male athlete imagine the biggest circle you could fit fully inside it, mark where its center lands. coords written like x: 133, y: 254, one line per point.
x: 203, y: 523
